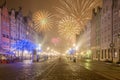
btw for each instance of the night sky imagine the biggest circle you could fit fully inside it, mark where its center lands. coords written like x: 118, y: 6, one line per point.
x: 32, y: 5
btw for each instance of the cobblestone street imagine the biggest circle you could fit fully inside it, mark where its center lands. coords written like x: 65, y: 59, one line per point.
x: 66, y: 70
x: 54, y: 69
x: 23, y: 71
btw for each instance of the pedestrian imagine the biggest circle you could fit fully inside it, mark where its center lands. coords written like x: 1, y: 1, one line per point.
x: 74, y: 60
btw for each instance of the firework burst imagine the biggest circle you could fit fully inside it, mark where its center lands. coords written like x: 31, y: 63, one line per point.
x: 78, y: 9
x: 43, y: 21
x: 68, y: 27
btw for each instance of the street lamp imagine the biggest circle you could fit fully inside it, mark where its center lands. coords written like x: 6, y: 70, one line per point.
x: 76, y: 48
x: 48, y: 48
x: 38, y: 48
x: 74, y: 45
x: 118, y: 47
x: 39, y: 45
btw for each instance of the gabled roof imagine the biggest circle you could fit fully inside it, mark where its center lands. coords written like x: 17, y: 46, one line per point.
x: 16, y: 13
x: 4, y: 4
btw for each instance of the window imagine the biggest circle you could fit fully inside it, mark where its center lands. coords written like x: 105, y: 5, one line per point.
x: 119, y: 13
x: 115, y: 3
x: 106, y: 8
x: 119, y: 53
x: 114, y: 52
x: 3, y: 35
x: 102, y: 54
x: 96, y: 54
x: 7, y: 36
x: 105, y: 53
x: 108, y: 53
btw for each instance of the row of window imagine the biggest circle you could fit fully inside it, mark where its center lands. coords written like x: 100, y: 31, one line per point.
x: 5, y: 18
x: 105, y: 39
x: 7, y: 36
x: 5, y: 43
x: 107, y: 53
x: 5, y: 24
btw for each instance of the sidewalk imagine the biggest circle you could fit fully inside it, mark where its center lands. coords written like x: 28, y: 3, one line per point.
x: 108, y: 70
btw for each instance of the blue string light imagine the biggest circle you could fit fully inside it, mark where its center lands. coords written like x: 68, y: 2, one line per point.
x: 72, y: 51
x: 24, y: 45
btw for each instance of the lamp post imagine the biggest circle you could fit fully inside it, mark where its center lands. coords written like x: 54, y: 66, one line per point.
x: 112, y: 44
x: 119, y: 44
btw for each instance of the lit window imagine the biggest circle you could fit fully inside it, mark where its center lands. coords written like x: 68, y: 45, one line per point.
x: 119, y: 13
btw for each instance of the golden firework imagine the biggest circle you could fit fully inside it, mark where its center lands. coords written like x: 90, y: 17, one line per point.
x: 43, y: 21
x: 68, y: 27
x: 78, y: 9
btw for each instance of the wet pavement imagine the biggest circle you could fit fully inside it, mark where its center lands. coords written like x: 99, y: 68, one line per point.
x: 23, y: 71
x: 53, y: 69
x: 109, y: 70
x: 67, y: 70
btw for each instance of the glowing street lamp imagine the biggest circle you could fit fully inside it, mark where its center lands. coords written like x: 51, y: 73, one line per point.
x: 76, y: 48
x: 51, y: 50
x: 39, y: 48
x: 39, y: 45
x: 48, y: 48
x: 74, y: 45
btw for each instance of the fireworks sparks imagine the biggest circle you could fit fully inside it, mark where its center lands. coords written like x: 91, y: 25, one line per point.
x: 68, y: 27
x: 43, y: 21
x: 78, y: 9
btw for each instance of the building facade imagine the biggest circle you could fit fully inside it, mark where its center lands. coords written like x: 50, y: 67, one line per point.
x: 109, y: 30
x: 14, y: 27
x: 116, y: 30
x: 5, y: 30
x: 106, y: 30
x: 95, y: 33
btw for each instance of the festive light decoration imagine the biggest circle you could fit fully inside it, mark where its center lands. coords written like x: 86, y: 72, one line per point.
x: 71, y: 51
x: 24, y: 45
x: 43, y: 21
x: 68, y: 27
x: 78, y: 9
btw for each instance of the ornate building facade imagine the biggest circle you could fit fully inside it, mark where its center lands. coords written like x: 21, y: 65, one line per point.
x: 116, y: 30
x: 95, y: 33
x: 5, y: 30
x: 109, y: 32
x: 14, y: 27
